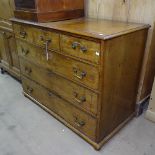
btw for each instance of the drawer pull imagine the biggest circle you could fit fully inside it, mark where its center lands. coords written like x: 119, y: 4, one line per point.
x: 81, y: 99
x: 79, y: 74
x: 50, y: 73
x: 25, y: 52
x: 29, y: 90
x: 23, y: 34
x: 28, y: 70
x: 78, y: 122
x: 50, y: 94
x: 75, y: 45
x: 45, y: 41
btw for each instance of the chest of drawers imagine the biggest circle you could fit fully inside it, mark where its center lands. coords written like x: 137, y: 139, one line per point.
x: 84, y: 72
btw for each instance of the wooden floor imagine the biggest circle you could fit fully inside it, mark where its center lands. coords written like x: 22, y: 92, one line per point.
x: 25, y: 129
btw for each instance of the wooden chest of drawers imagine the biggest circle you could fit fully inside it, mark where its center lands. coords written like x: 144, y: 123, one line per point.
x: 84, y: 72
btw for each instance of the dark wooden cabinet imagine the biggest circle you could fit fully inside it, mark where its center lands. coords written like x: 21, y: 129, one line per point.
x: 9, y: 60
x: 45, y: 10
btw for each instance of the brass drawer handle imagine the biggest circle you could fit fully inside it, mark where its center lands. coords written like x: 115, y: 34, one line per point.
x: 28, y: 70
x: 50, y: 73
x: 23, y: 34
x: 50, y: 94
x: 45, y: 41
x: 80, y: 100
x: 75, y: 45
x: 29, y: 90
x: 78, y: 122
x: 25, y: 52
x: 78, y: 73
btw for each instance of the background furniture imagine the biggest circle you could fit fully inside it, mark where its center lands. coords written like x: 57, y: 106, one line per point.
x: 45, y: 10
x: 84, y: 72
x: 8, y: 51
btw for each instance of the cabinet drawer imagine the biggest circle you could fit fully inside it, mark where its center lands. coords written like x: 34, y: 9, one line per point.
x: 71, y: 69
x: 38, y: 36
x: 81, y: 48
x: 80, y: 120
x: 72, y: 92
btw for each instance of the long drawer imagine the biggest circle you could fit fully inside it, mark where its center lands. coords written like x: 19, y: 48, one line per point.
x: 75, y: 70
x: 38, y: 36
x: 70, y: 91
x: 78, y: 119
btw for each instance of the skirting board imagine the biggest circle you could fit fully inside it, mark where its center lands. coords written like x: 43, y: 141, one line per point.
x: 150, y: 115
x: 96, y: 146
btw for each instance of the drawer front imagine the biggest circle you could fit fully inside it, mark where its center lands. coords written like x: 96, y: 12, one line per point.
x: 71, y: 69
x: 43, y: 38
x: 80, y: 120
x: 73, y: 93
x: 81, y: 48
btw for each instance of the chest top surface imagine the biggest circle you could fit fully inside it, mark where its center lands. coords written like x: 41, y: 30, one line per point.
x: 100, y: 29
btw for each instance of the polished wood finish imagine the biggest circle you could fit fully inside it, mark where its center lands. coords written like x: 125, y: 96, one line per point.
x: 38, y: 36
x: 78, y: 95
x: 9, y: 56
x: 81, y: 48
x: 53, y: 10
x: 83, y: 73
x: 120, y: 82
x: 99, y: 60
x: 91, y: 29
x: 78, y: 119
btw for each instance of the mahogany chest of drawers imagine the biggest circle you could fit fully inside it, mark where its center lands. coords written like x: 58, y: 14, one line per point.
x: 48, y: 10
x: 84, y: 72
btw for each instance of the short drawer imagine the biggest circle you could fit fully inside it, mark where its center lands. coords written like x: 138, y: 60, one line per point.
x: 71, y: 92
x: 81, y: 48
x: 74, y: 70
x: 43, y: 38
x: 78, y: 119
